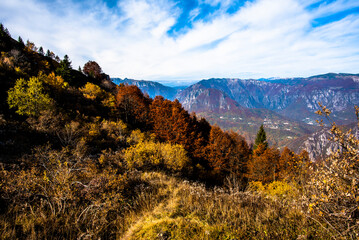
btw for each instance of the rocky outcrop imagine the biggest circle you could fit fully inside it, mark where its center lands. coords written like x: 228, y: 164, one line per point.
x: 320, y: 144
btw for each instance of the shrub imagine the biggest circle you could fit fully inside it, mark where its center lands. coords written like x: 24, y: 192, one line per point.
x: 281, y: 189
x: 277, y: 189
x: 144, y: 155
x: 333, y: 196
x: 61, y: 197
x: 149, y: 154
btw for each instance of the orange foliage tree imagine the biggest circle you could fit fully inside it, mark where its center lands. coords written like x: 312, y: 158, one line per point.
x: 227, y: 152
x: 133, y: 105
x: 92, y: 69
x: 264, y: 164
x: 171, y: 122
x: 294, y: 167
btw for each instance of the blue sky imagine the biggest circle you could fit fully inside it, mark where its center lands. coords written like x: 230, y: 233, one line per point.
x: 194, y: 39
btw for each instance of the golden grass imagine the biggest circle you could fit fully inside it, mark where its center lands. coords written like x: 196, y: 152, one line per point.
x: 184, y: 210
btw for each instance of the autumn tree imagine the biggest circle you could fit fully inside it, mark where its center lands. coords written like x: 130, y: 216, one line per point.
x: 133, y: 105
x: 56, y: 82
x: 261, y: 138
x: 293, y: 167
x: 29, y: 97
x: 92, y: 91
x: 200, y: 133
x: 264, y: 164
x: 95, y: 92
x: 171, y: 122
x: 30, y: 46
x: 227, y: 153
x: 286, y: 163
x: 92, y: 69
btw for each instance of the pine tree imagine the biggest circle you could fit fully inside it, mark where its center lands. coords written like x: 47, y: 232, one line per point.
x: 41, y: 51
x: 21, y: 42
x: 64, y: 70
x: 261, y: 138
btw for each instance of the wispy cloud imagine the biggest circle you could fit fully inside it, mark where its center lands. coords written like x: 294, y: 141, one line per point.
x: 157, y: 40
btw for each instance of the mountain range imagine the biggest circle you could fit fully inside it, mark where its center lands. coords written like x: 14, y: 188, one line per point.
x: 285, y: 106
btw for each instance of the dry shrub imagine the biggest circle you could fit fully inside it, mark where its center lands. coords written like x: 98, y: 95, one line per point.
x: 61, y: 196
x: 277, y: 189
x: 333, y: 196
x: 149, y: 155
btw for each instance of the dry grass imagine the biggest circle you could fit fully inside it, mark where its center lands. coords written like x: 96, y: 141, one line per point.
x: 185, y: 210
x: 67, y: 199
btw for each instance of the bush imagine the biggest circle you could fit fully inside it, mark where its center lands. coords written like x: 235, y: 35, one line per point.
x: 61, y: 196
x: 333, y: 196
x: 149, y: 155
x: 277, y: 189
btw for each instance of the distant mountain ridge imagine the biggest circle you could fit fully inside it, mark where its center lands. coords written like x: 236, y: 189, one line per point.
x: 285, y: 106
x: 293, y: 98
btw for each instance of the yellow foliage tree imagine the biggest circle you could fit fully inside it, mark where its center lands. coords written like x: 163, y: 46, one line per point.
x: 92, y: 91
x: 29, y: 97
x: 54, y: 81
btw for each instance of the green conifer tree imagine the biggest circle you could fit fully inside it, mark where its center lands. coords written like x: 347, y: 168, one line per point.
x: 41, y: 51
x: 64, y: 70
x: 21, y: 42
x: 261, y: 138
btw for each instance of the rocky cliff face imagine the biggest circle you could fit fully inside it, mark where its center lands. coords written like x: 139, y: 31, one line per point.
x: 209, y: 100
x: 320, y: 144
x: 293, y: 98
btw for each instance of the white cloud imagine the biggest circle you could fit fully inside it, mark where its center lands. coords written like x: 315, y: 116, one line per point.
x: 265, y: 38
x: 326, y: 9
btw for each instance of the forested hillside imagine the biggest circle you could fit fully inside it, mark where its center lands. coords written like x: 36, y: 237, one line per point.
x: 82, y: 158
